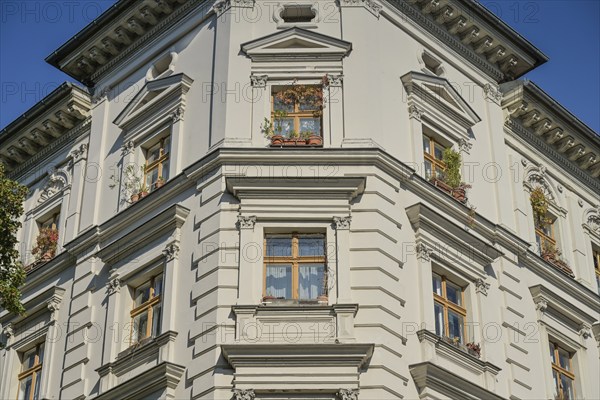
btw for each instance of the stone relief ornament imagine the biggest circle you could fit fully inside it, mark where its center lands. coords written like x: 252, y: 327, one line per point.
x: 348, y: 394
x: 56, y: 182
x: 246, y: 222
x: 246, y: 394
x: 342, y: 222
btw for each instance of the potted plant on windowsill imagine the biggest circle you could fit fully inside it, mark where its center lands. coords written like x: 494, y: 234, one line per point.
x: 551, y: 254
x: 160, y: 181
x: 450, y: 181
x: 46, y: 244
x: 132, y: 185
x: 474, y: 349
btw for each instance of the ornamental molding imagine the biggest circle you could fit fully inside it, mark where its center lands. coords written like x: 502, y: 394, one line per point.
x: 465, y: 145
x: 171, y: 251
x: 244, y: 394
x: 585, y: 330
x: 424, y: 252
x: 414, y: 112
x: 223, y: 5
x: 114, y: 283
x: 347, y: 394
x: 492, y: 93
x: 342, y: 223
x: 335, y: 80
x: 550, y: 301
x: 370, y: 5
x: 246, y: 222
x: 53, y: 306
x: 482, y: 287
x: 127, y: 148
x: 591, y: 221
x: 8, y: 330
x: 80, y: 153
x: 177, y: 114
x: 259, y: 81
x: 57, y: 181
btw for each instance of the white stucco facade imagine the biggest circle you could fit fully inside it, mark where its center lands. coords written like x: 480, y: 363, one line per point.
x: 202, y: 74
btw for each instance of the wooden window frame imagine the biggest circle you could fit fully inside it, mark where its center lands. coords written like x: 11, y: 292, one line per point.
x: 295, y: 260
x: 544, y: 237
x: 146, y: 306
x: 561, y: 371
x: 436, y: 163
x: 296, y: 114
x: 449, y: 305
x: 34, y: 372
x: 159, y: 163
x: 596, y: 256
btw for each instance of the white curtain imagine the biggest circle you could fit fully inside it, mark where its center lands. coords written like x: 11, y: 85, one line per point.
x: 279, y: 281
x: 310, y: 284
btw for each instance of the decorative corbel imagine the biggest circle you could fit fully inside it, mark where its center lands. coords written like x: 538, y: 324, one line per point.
x: 127, y: 148
x: 246, y: 222
x: 259, y: 81
x: 347, y: 394
x: 481, y: 286
x: 171, y: 251
x: 342, y: 223
x: 415, y: 112
x: 114, y: 283
x: 244, y: 394
x: 424, y: 252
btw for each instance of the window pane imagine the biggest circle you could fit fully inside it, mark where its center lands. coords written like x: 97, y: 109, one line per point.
x: 279, y: 105
x: 428, y: 169
x: 453, y: 293
x: 556, y: 384
x: 156, y: 318
x: 455, y: 326
x: 41, y: 354
x: 310, y: 125
x: 279, y: 281
x: 151, y: 177
x: 284, y: 126
x: 153, y: 153
x: 437, y: 285
x: 167, y: 145
x: 552, y: 353
x: 158, y: 285
x: 310, y: 283
x: 28, y: 359
x: 438, y: 151
x: 38, y: 380
x: 567, y: 388
x: 426, y: 145
x: 165, y: 170
x: 25, y: 388
x: 142, y: 294
x: 439, y: 319
x: 311, y: 246
x: 140, y: 326
x: 563, y: 358
x: 279, y: 246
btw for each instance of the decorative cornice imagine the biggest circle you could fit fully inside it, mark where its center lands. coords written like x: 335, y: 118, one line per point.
x: 517, y: 130
x: 243, y: 394
x: 342, y: 223
x: 348, y: 394
x: 372, y: 6
x: 246, y: 222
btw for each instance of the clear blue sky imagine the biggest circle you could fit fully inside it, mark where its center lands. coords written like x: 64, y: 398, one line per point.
x: 566, y: 30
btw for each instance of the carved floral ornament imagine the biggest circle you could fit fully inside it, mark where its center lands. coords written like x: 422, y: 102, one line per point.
x: 56, y: 182
x: 243, y: 394
x: 591, y: 220
x: 348, y: 394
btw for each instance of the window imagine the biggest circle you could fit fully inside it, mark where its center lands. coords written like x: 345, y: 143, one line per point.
x: 296, y: 110
x: 449, y: 309
x: 562, y: 373
x: 50, y: 222
x: 295, y: 266
x: 434, y: 154
x: 597, y: 267
x: 146, y: 313
x: 545, y: 236
x: 156, y: 170
x: 31, y: 373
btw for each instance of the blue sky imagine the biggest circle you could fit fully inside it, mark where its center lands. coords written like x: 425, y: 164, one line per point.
x: 567, y: 31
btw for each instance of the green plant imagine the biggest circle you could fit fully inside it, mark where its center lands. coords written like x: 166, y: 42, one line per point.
x: 309, y: 95
x: 12, y: 274
x: 45, y: 244
x: 133, y: 180
x: 550, y: 249
x: 539, y: 205
x: 453, y: 162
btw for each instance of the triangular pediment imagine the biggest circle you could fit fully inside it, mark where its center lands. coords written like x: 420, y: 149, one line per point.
x: 295, y: 44
x: 439, y: 93
x: 155, y: 95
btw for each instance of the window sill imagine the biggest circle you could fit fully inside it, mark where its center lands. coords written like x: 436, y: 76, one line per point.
x: 276, y: 302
